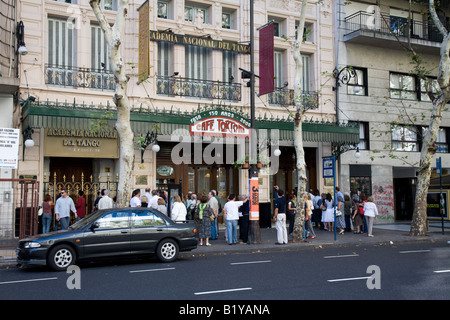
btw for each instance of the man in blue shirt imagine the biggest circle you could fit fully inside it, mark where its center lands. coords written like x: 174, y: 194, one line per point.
x: 63, y: 206
x: 280, y: 216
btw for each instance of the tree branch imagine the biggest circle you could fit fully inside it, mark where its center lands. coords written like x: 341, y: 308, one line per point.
x: 436, y: 20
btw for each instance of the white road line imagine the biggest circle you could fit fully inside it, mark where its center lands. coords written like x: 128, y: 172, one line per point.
x: 342, y: 256
x: 441, y: 271
x: 348, y: 279
x: 221, y: 291
x: 250, y: 262
x: 29, y: 280
x: 415, y: 251
x: 151, y: 270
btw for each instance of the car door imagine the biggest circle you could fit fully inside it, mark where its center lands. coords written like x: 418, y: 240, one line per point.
x: 147, y: 229
x: 109, y: 237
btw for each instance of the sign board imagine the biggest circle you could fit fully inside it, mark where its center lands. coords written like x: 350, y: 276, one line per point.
x: 254, y: 198
x: 9, y: 148
x: 434, y: 207
x: 219, y: 123
x: 328, y: 167
x: 80, y: 143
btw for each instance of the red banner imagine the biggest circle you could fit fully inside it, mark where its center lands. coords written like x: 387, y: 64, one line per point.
x: 266, y: 67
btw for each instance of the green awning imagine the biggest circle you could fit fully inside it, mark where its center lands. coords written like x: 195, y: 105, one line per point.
x: 39, y: 114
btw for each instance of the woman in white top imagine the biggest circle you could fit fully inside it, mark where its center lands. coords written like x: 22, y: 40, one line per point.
x: 370, y: 213
x: 328, y: 214
x: 179, y: 210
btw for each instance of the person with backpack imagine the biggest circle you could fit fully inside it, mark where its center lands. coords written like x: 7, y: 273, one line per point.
x: 358, y: 213
x: 203, y: 213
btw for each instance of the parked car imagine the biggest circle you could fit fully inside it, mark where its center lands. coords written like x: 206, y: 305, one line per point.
x: 107, y: 233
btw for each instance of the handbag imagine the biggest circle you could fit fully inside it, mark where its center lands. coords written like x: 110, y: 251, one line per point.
x: 212, y: 217
x: 338, y: 213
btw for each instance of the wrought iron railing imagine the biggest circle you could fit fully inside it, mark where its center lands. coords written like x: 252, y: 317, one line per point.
x: 286, y: 97
x: 386, y: 24
x: 66, y: 76
x: 197, y: 88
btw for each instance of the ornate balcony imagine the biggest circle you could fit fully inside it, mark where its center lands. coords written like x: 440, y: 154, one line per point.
x: 285, y: 97
x: 64, y: 76
x: 197, y: 88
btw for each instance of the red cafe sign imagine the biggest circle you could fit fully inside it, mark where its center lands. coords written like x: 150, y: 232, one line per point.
x: 219, y: 123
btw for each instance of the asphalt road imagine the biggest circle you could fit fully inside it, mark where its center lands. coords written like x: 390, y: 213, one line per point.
x: 388, y: 272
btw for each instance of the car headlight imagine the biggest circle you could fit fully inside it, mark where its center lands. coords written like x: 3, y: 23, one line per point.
x: 30, y: 245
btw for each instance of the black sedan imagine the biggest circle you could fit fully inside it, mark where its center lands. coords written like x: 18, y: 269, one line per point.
x: 107, y: 233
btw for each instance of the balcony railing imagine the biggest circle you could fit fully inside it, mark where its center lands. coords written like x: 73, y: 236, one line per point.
x: 399, y: 26
x: 74, y: 77
x: 196, y: 88
x: 285, y: 97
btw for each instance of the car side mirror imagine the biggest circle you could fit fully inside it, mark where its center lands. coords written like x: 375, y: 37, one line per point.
x: 94, y: 226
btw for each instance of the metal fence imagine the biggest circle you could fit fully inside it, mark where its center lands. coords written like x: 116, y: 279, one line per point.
x: 19, y: 201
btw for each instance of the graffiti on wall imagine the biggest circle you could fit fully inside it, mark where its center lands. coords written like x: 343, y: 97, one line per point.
x: 383, y: 197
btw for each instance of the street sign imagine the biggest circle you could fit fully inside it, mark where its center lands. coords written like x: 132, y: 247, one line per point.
x: 328, y: 167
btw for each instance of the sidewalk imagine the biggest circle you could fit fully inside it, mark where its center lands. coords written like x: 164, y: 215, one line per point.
x: 389, y: 234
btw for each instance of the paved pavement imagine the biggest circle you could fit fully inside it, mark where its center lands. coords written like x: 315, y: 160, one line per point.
x: 384, y: 234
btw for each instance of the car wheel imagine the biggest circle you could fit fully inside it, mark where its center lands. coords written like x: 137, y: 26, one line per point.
x: 61, y: 257
x: 167, y: 250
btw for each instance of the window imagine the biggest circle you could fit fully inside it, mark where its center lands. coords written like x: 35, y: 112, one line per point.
x: 197, y: 62
x: 441, y: 140
x: 404, y: 138
x: 399, y: 25
x: 357, y: 86
x: 227, y: 20
x: 163, y: 9
x: 228, y: 63
x: 307, y: 32
x: 165, y: 50
x: 192, y: 13
x: 277, y: 28
x: 307, y: 81
x: 114, y: 220
x: 278, y: 69
x: 99, y: 49
x: 141, y: 219
x: 426, y: 86
x: 61, y: 43
x: 109, y: 5
x: 402, y: 86
x: 363, y: 136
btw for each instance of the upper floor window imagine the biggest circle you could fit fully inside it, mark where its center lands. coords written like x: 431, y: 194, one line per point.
x: 428, y: 85
x: 197, y: 62
x: 99, y: 49
x: 307, y: 32
x: 61, y: 43
x: 109, y: 5
x: 405, y: 138
x: 277, y: 28
x: 164, y: 9
x: 402, y: 86
x: 193, y: 13
x: 228, y: 65
x: 165, y: 51
x: 358, y: 85
x: 227, y: 20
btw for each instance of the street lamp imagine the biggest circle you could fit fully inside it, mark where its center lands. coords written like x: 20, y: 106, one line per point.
x: 21, y: 49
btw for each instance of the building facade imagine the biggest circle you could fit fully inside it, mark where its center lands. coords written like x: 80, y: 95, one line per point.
x: 390, y: 101
x: 195, y: 52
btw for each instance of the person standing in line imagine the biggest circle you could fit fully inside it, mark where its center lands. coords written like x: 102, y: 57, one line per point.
x: 144, y: 201
x: 105, y: 202
x: 291, y: 211
x: 231, y: 213
x: 340, y: 220
x: 214, y: 205
x: 135, y: 198
x: 63, y: 206
x: 280, y: 216
x: 357, y: 217
x: 99, y: 196
x: 81, y: 205
x: 46, y: 213
x: 146, y: 194
x: 245, y: 218
x: 307, y: 225
x: 153, y: 201
x: 161, y: 206
x: 370, y: 213
x: 328, y: 214
x: 347, y: 212
x: 178, y: 210
x: 203, y: 214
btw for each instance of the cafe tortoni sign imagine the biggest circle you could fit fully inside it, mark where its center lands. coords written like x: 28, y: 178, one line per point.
x: 219, y: 123
x: 199, y: 41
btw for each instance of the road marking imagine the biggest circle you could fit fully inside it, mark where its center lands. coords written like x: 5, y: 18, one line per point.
x: 441, y: 271
x: 250, y: 262
x: 221, y: 291
x: 342, y: 256
x: 348, y: 279
x: 151, y: 270
x: 29, y: 280
x: 415, y: 251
